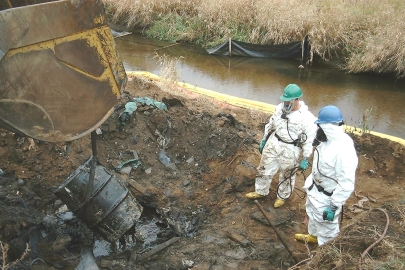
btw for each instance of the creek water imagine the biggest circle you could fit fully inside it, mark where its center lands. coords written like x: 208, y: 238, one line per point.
x: 262, y: 79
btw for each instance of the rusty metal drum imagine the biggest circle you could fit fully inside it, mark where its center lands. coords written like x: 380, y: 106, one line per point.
x: 112, y: 209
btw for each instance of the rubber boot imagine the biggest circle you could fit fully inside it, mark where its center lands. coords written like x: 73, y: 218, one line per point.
x: 253, y: 195
x: 278, y: 203
x: 306, y: 238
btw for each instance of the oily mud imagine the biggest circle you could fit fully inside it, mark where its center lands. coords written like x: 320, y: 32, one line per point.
x: 189, y: 166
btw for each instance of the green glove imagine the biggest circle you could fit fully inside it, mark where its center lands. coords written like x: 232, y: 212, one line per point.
x: 329, y: 213
x: 261, y: 146
x: 304, y: 164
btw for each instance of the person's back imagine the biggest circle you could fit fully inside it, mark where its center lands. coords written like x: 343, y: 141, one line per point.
x: 332, y: 179
x: 338, y: 151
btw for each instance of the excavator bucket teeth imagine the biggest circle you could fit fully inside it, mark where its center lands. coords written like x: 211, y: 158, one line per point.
x: 60, y: 73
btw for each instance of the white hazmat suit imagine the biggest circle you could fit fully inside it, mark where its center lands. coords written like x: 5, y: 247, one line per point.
x: 333, y: 169
x: 279, y: 151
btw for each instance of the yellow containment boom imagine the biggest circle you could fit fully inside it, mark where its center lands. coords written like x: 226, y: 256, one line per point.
x: 251, y: 104
x: 60, y: 74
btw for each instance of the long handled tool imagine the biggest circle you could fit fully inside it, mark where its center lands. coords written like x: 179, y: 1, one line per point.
x: 295, y: 259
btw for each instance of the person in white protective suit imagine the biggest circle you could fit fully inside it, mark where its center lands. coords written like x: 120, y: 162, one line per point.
x: 332, y: 179
x: 290, y: 129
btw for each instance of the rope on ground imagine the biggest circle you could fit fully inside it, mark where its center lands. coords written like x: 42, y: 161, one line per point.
x: 376, y: 242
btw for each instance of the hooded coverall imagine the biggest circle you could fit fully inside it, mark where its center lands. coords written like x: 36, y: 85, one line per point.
x: 280, y: 151
x: 333, y: 169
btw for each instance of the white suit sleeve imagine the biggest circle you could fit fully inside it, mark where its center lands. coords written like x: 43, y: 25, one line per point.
x: 269, y: 126
x: 346, y: 165
x: 309, y: 128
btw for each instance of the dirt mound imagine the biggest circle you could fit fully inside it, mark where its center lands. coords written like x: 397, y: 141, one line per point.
x: 197, y: 161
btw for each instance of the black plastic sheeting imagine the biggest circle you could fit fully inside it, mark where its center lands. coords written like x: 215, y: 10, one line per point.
x: 294, y: 50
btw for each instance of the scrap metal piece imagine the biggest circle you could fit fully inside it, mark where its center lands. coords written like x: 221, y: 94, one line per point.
x: 60, y: 73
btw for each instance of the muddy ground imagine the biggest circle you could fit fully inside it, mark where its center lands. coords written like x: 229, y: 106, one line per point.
x: 196, y: 199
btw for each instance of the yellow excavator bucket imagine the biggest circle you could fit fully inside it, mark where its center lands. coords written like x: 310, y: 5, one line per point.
x: 60, y: 74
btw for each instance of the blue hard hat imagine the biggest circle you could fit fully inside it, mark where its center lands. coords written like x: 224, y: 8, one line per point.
x: 329, y: 114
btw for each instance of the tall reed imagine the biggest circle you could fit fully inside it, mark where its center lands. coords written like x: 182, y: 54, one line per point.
x: 365, y: 35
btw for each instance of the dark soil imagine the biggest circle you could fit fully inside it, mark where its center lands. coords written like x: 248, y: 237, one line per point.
x: 198, y: 197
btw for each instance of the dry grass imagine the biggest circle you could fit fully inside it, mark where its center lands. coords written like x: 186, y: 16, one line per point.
x: 367, y: 35
x: 381, y: 52
x: 168, y: 72
x: 401, y: 214
x: 143, y: 13
x: 344, y: 251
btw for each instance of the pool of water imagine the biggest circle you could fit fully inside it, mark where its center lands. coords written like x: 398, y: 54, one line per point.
x: 263, y: 80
